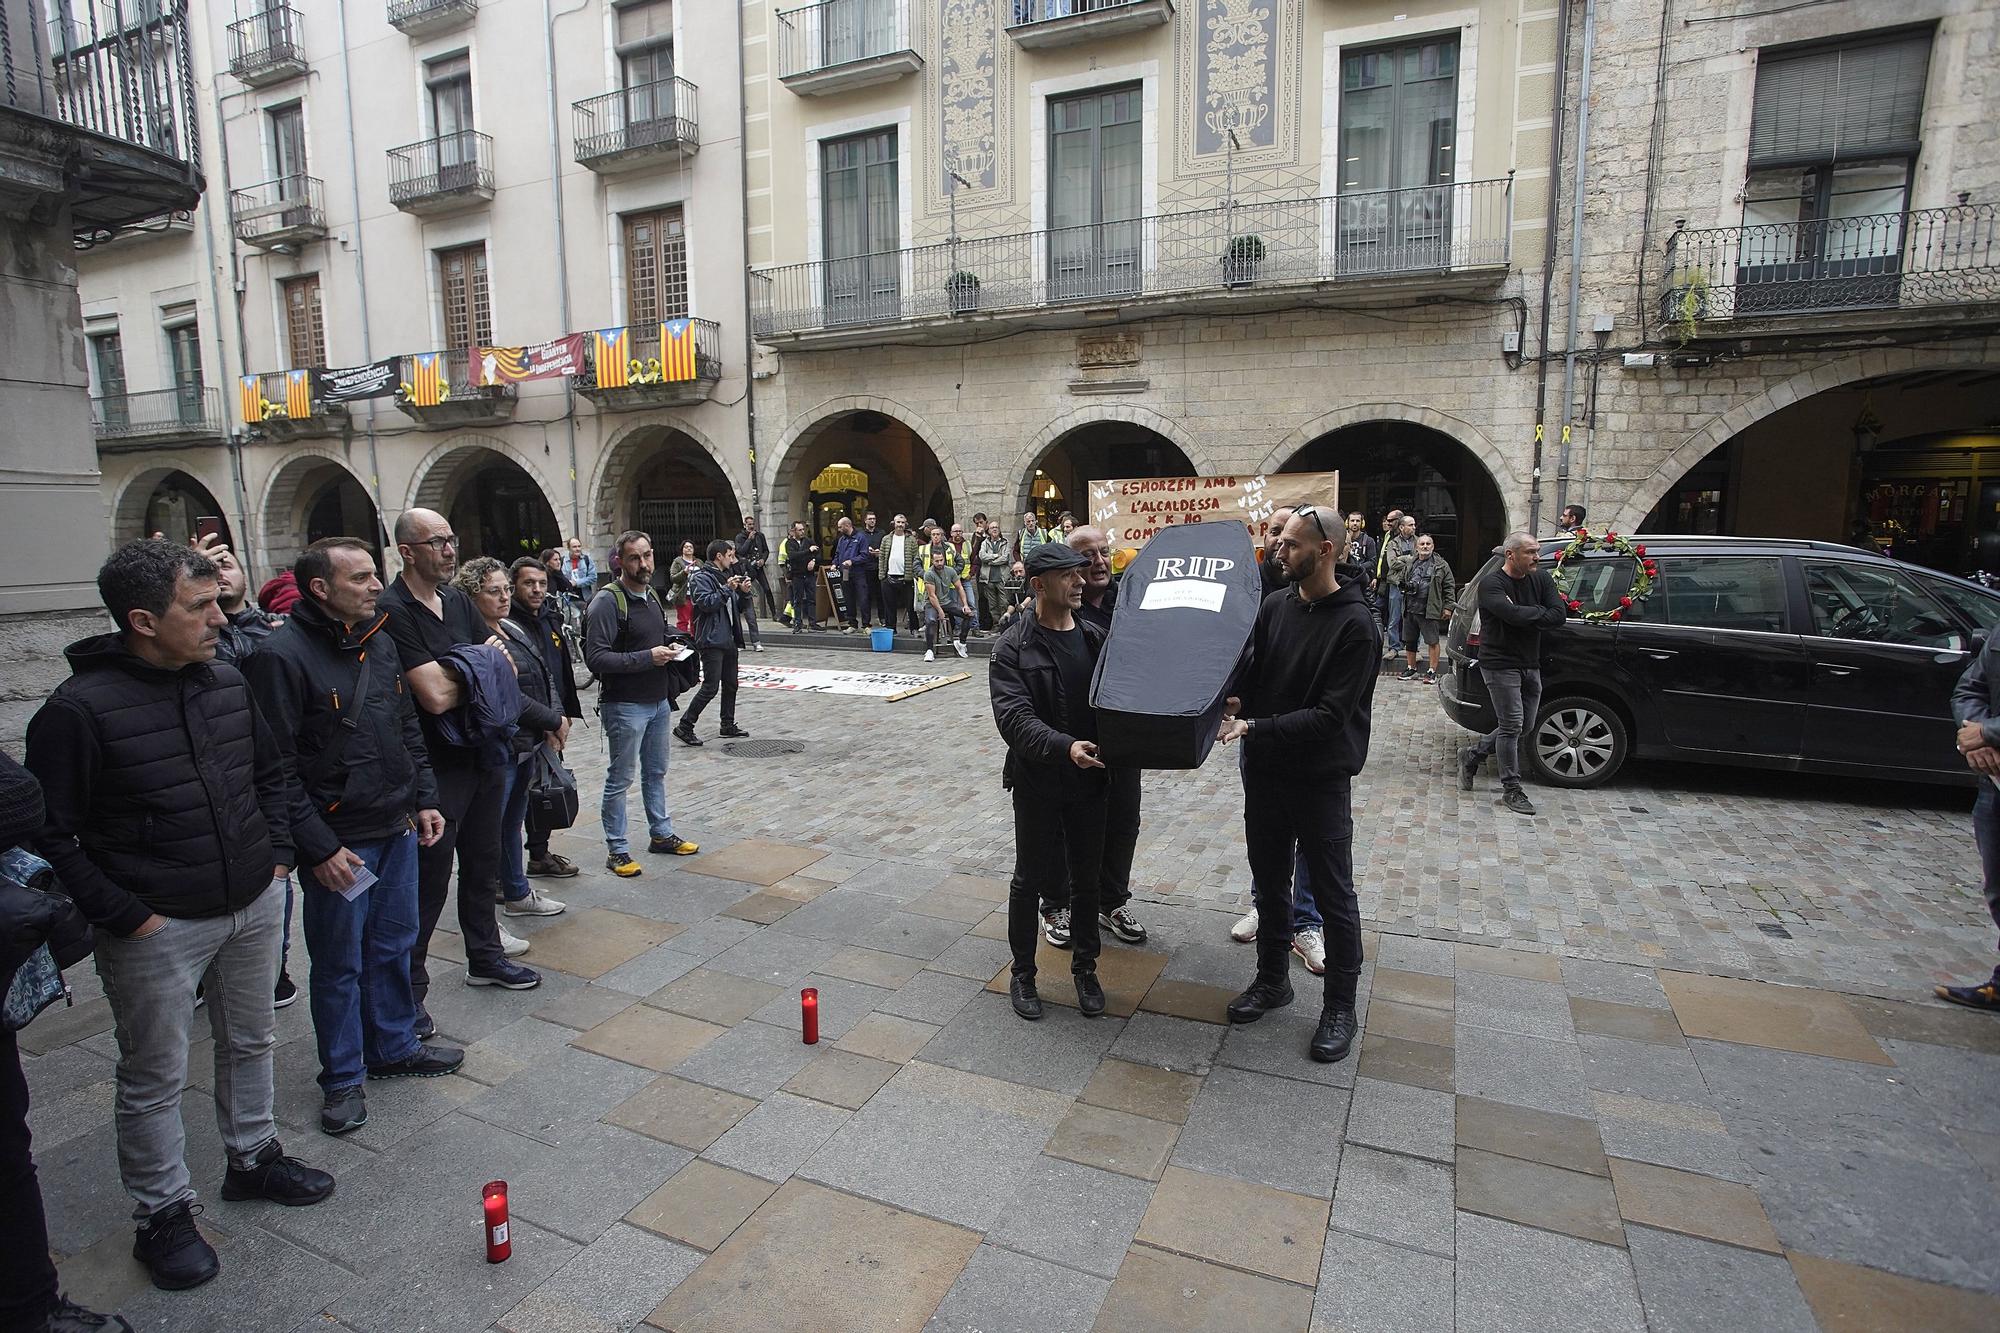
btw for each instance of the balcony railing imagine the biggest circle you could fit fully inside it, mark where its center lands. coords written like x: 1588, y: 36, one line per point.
x: 268, y: 47
x: 118, y: 74
x: 275, y: 418
x: 443, y: 389
x: 1060, y: 22
x: 1923, y: 259
x: 158, y: 416
x: 619, y: 130
x: 650, y: 378
x: 844, y: 44
x: 288, y: 211
x: 419, y: 18
x: 1432, y: 230
x: 441, y: 174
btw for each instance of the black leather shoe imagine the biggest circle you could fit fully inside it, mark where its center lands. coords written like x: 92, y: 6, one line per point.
x: 1335, y: 1034
x: 730, y: 731
x: 686, y: 737
x: 279, y: 1178
x: 69, y: 1317
x: 1021, y: 990
x: 1089, y: 995
x: 344, y: 1110
x: 427, y: 1062
x: 426, y: 1025
x: 1262, y: 997
x: 173, y: 1251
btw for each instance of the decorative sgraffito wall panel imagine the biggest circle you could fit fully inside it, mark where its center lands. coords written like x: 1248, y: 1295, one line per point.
x: 1238, y: 72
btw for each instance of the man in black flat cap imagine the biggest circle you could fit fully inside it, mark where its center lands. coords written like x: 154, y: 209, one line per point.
x: 1040, y: 682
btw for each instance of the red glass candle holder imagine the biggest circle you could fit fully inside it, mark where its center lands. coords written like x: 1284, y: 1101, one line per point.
x: 809, y: 1014
x: 499, y: 1240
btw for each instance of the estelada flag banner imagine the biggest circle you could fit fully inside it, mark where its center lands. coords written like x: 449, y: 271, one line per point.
x: 298, y: 394
x: 677, y: 350
x: 610, y: 350
x: 427, y: 379
x: 347, y: 384
x: 540, y: 361
x: 250, y: 397
x: 1132, y: 510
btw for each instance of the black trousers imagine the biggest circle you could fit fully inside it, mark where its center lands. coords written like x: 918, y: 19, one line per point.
x: 1315, y: 817
x: 718, y: 672
x: 1057, y: 839
x: 27, y: 1278
x: 898, y: 598
x: 470, y: 800
x: 763, y: 582
x: 805, y: 601
x: 860, y: 597
x: 1121, y: 839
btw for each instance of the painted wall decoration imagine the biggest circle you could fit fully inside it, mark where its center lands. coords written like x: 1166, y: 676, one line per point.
x: 968, y: 60
x: 1239, y: 73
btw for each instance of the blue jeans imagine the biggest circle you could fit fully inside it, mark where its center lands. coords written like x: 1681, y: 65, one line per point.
x: 1396, y: 618
x: 514, y: 828
x: 1986, y: 832
x: 364, y: 1014
x: 1517, y: 698
x: 637, y: 734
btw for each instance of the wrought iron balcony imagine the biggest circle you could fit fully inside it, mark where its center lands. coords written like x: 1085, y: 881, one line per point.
x: 1930, y: 259
x: 442, y: 175
x: 268, y: 47
x: 273, y: 414
x: 420, y: 18
x: 1446, y: 236
x: 97, y: 109
x: 280, y: 214
x: 443, y: 389
x: 844, y: 44
x: 129, y: 421
x: 633, y: 127
x: 652, y: 377
x: 1061, y: 22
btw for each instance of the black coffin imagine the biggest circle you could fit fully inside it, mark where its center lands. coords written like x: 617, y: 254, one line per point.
x: 1178, y: 641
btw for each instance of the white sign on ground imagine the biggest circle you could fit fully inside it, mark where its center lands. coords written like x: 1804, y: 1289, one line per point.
x: 889, y: 685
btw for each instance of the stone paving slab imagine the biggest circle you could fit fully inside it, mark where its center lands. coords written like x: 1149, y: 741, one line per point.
x: 1812, y: 1157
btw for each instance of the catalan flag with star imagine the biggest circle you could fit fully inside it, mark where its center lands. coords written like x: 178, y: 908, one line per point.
x: 427, y: 379
x: 298, y: 394
x: 250, y: 397
x: 677, y: 350
x: 610, y: 352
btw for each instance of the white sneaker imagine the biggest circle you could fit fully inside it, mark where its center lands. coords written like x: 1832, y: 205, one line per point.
x: 960, y: 647
x: 757, y: 647
x: 930, y: 655
x: 536, y: 903
x: 512, y: 945
x: 1245, y: 929
x: 1310, y: 945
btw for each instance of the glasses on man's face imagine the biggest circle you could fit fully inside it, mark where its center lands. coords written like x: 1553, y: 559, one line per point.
x: 439, y: 543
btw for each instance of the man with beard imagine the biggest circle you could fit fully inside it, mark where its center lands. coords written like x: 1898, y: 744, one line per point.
x: 1303, y: 717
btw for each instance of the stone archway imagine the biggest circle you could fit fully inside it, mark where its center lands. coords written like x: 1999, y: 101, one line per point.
x: 290, y: 495
x: 1720, y: 429
x: 628, y: 455
x: 1021, y: 475
x: 784, y: 491
x: 134, y: 511
x: 1513, y: 491
x: 520, y: 516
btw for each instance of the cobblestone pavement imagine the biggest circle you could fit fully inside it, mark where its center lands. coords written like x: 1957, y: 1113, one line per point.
x: 1527, y: 1137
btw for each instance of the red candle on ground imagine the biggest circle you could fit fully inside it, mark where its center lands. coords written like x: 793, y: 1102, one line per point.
x: 809, y: 1014
x: 499, y: 1243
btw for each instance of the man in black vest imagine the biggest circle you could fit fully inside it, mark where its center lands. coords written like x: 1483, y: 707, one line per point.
x: 427, y: 619
x: 147, y: 754
x: 753, y: 552
x: 363, y: 795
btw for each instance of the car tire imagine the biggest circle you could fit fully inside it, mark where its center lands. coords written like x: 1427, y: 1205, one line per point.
x: 1578, y: 742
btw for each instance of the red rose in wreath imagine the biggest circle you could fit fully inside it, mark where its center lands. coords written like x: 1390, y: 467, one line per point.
x: 1639, y: 550
x: 1624, y: 601
x: 1568, y: 560
x: 1617, y: 615
x: 1576, y: 606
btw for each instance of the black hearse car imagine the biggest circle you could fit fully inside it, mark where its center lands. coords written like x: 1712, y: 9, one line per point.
x: 1767, y: 653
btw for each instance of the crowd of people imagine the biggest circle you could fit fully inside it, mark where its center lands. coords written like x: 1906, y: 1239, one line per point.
x: 212, y: 765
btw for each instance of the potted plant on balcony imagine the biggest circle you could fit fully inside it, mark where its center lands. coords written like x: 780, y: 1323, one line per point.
x: 962, y: 289
x: 1687, y: 303
x: 1240, y: 260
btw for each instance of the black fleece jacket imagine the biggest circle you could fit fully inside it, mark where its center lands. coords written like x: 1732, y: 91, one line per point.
x: 1310, y: 686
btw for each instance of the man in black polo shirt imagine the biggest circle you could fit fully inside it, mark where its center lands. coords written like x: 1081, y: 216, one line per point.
x: 427, y: 619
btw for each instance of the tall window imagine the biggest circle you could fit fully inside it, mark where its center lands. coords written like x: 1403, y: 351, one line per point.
x: 1096, y: 172
x: 859, y: 222
x: 305, y: 330
x: 107, y: 358
x: 655, y: 268
x: 646, y: 60
x: 852, y: 29
x: 1833, y: 140
x: 288, y: 141
x: 468, y: 318
x: 1398, y: 154
x: 184, y: 354
x: 449, y: 83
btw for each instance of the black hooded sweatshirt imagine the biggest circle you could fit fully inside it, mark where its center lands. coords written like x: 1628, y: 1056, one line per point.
x: 1311, y: 681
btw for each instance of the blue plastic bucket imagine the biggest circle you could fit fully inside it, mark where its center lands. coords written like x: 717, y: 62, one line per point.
x: 882, y: 640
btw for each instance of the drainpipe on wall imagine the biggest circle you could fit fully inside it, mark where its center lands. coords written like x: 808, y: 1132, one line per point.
x: 1556, y: 121
x: 562, y: 249
x: 361, y: 283
x: 245, y: 547
x: 749, y: 338
x: 1582, y: 170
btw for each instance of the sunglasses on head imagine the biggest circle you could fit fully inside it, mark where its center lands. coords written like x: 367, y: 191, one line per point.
x: 1312, y: 512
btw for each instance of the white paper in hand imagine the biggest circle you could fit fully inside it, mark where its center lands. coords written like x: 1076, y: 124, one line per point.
x: 363, y: 879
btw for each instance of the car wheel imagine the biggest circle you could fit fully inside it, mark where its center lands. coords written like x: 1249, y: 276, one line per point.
x: 1578, y: 743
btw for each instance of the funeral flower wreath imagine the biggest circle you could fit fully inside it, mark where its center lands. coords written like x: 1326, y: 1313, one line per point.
x: 1571, y: 557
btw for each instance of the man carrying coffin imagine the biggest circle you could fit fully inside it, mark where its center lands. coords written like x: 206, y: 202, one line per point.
x: 1303, y: 717
x: 1040, y: 682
